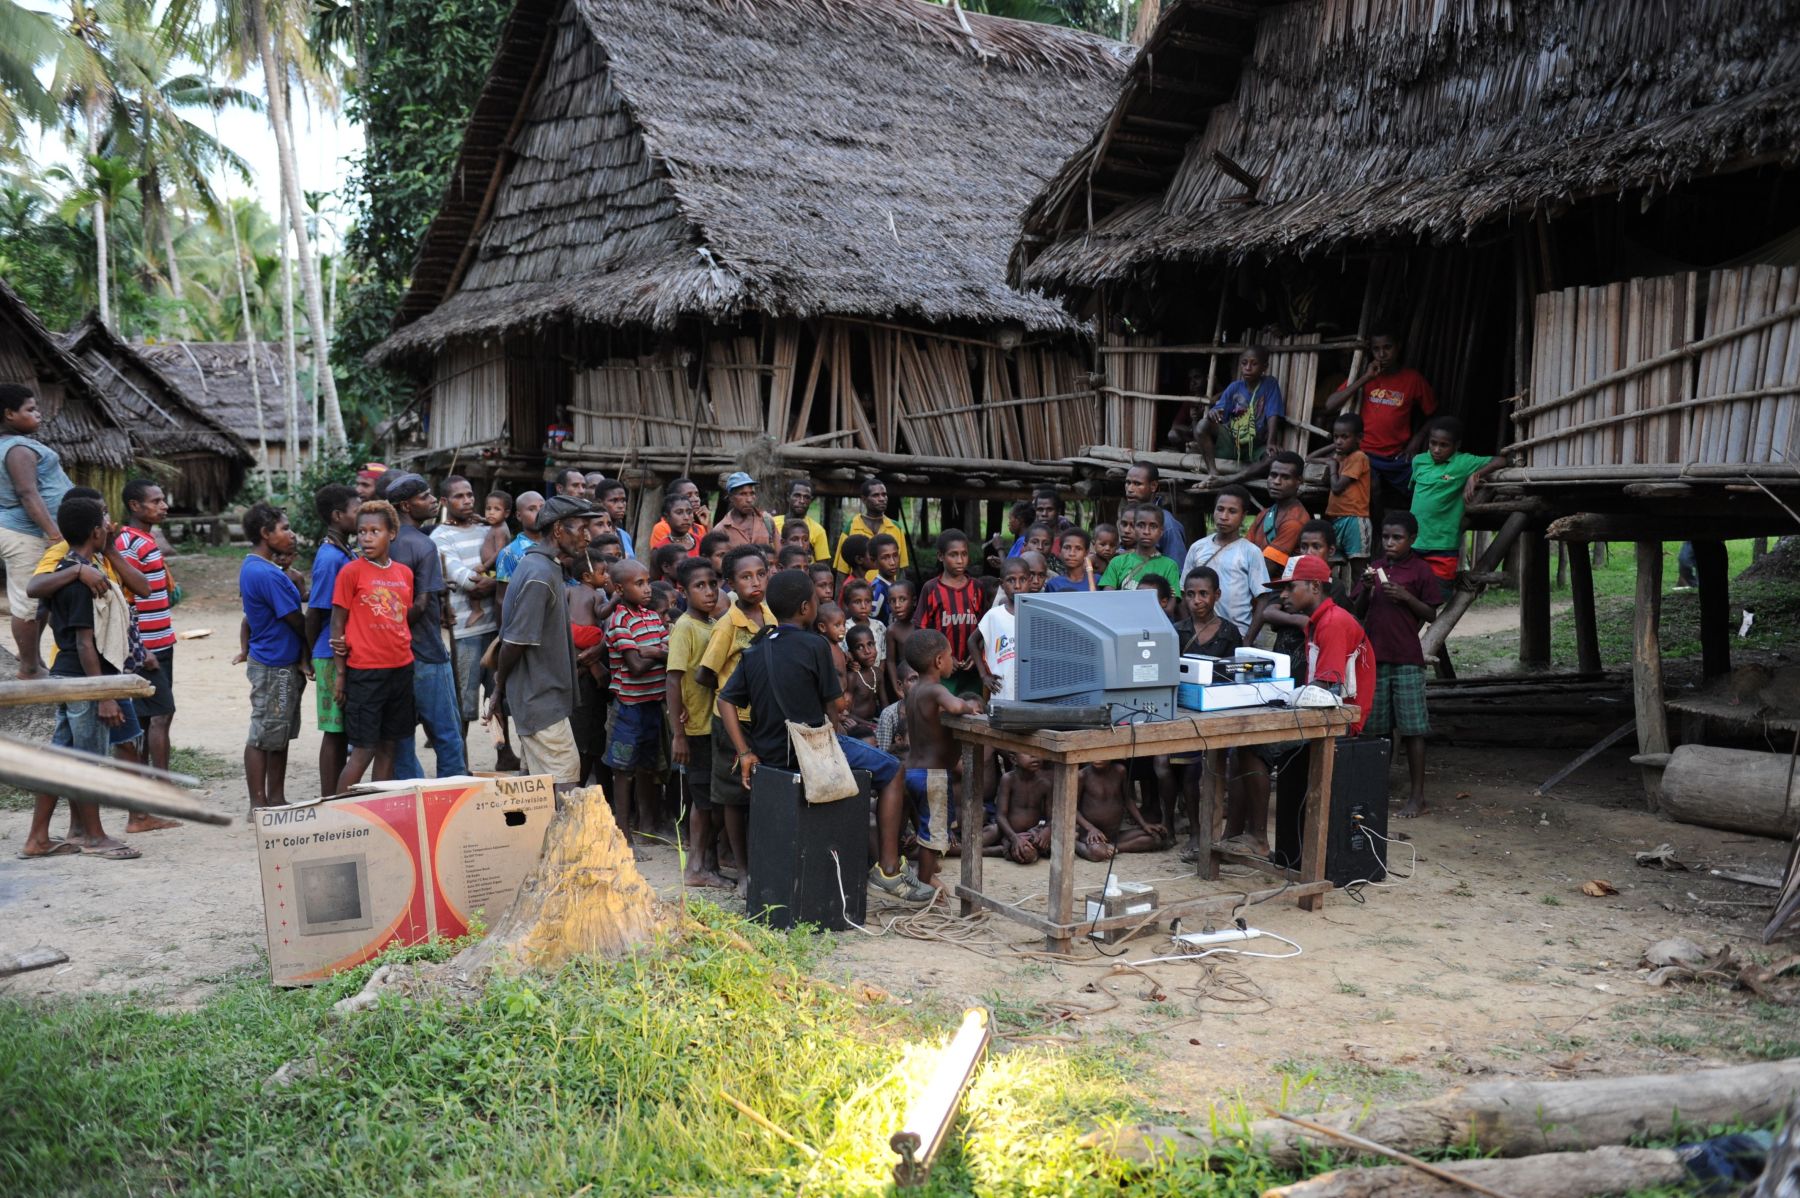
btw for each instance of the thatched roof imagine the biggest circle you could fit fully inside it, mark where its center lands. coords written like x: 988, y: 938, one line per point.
x: 216, y: 376
x: 664, y: 159
x: 77, y: 423
x: 160, y: 417
x: 1409, y: 119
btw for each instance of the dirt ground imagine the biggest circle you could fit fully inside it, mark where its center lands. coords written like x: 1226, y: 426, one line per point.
x: 1489, y: 959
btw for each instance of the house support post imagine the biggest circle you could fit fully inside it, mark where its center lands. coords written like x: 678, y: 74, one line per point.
x: 1715, y: 612
x: 1534, y: 599
x: 1581, y: 591
x: 1646, y: 664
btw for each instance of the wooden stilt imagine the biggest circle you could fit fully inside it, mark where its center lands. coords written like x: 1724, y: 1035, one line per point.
x: 1646, y: 664
x: 1534, y: 600
x: 1581, y: 591
x: 1715, y: 608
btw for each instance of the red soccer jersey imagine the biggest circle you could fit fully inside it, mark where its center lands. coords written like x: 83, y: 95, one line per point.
x: 151, y: 613
x: 1338, y: 651
x: 1388, y: 401
x: 377, y: 599
x: 953, y: 611
x: 635, y: 628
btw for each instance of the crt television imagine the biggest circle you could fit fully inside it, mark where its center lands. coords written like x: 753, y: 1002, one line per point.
x: 1098, y: 647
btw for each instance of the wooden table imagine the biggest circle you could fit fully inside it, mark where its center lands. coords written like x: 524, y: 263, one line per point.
x: 1210, y: 733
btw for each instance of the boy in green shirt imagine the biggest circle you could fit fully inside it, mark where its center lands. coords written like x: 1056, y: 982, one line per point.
x: 1444, y: 480
x: 1128, y: 570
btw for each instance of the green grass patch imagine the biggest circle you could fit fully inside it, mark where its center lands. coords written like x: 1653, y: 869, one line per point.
x: 1714, y: 1023
x: 605, y: 1079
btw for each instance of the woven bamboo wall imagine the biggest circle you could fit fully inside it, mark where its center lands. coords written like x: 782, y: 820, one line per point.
x: 1670, y: 371
x: 468, y: 395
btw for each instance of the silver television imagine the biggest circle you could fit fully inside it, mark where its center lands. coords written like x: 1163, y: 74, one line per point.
x: 1082, y: 648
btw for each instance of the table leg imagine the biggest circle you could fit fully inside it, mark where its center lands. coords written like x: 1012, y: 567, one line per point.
x: 1212, y: 813
x: 1319, y: 763
x: 1065, y: 786
x: 972, y: 813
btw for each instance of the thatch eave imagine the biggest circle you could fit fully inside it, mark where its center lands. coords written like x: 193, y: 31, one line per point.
x: 82, y: 430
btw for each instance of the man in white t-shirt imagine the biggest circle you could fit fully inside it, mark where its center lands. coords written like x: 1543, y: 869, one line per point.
x: 996, y: 639
x: 1243, y: 571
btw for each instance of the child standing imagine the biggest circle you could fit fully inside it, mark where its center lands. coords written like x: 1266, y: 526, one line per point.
x: 748, y: 573
x: 863, y: 681
x: 589, y: 605
x: 1077, y: 574
x: 337, y: 506
x: 1396, y: 595
x: 831, y: 624
x: 1128, y: 571
x: 824, y: 580
x: 372, y: 642
x: 1106, y: 547
x: 637, y: 649
x: 859, y: 606
x: 1243, y: 571
x: 1348, y: 507
x: 885, y: 549
x: 932, y: 756
x: 278, y: 654
x: 689, y: 707
x: 1443, y: 480
x: 996, y: 637
x: 951, y: 604
x: 1205, y: 633
x: 899, y: 627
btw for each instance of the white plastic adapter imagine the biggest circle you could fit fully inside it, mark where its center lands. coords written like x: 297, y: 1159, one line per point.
x: 1222, y: 936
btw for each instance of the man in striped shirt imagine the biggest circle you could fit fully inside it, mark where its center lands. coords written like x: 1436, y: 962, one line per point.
x: 637, y: 650
x: 146, y: 507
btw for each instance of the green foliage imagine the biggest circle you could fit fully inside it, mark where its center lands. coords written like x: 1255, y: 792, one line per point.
x: 327, y: 466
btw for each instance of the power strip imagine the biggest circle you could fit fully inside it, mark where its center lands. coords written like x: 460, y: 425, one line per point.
x: 1222, y: 936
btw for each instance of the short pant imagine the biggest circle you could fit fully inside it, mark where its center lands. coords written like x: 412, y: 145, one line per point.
x: 551, y: 751
x: 21, y: 551
x: 330, y: 713
x: 934, y: 800
x: 1355, y: 538
x: 1398, y: 708
x: 1395, y: 473
x: 78, y: 726
x: 163, y: 679
x: 378, y: 706
x: 275, y: 695
x: 727, y: 783
x: 635, y: 741
x: 1443, y: 563
x: 465, y: 652
x: 698, y: 775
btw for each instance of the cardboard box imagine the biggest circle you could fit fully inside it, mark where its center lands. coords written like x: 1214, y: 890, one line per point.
x: 393, y: 863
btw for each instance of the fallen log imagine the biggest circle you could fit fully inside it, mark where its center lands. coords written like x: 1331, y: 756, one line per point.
x: 71, y: 775
x: 1740, y: 790
x: 26, y: 960
x: 1507, y: 1118
x: 23, y: 692
x: 1610, y: 1170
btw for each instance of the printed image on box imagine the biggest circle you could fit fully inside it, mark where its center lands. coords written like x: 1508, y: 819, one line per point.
x: 393, y: 863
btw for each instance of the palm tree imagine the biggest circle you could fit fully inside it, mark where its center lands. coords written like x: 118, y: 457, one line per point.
x: 27, y: 39
x: 99, y: 192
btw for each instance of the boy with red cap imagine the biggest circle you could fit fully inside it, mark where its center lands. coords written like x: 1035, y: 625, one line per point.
x: 1339, y: 656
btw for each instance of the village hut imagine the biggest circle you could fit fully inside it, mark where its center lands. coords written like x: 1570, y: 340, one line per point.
x: 686, y: 234
x: 78, y: 423
x: 1579, y: 217
x: 199, y: 462
x: 217, y: 377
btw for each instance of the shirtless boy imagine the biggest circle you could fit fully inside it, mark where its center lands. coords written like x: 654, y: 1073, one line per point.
x: 1024, y: 808
x: 1101, y: 806
x: 932, y: 758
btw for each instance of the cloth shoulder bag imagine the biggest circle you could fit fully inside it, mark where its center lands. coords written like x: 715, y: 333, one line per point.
x: 824, y: 770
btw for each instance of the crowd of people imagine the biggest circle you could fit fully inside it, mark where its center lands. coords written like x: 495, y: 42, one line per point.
x: 671, y: 671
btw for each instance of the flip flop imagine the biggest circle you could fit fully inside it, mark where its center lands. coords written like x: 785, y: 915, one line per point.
x: 58, y: 848
x: 122, y: 852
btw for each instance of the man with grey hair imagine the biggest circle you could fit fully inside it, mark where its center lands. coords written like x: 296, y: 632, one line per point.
x: 534, y: 676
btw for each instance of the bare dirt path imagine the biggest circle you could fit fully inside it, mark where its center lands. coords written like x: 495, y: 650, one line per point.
x: 1488, y: 959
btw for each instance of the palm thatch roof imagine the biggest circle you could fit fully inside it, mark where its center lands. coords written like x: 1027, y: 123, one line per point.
x: 215, y: 375
x: 635, y: 162
x: 1351, y: 121
x: 160, y: 417
x: 77, y: 423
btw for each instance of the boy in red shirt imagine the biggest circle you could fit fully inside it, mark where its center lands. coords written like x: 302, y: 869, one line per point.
x: 1339, y: 656
x: 1395, y: 401
x: 953, y: 604
x: 372, y: 642
x: 637, y: 650
x: 1395, y: 596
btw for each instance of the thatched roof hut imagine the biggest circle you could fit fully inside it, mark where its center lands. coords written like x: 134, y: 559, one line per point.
x: 215, y: 375
x: 77, y: 422
x: 674, y: 223
x: 202, y: 462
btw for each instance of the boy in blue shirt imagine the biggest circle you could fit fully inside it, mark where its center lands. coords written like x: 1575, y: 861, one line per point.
x: 336, y: 507
x: 1246, y: 414
x: 279, y: 665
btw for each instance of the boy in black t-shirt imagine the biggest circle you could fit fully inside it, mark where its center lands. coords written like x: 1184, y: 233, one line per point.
x: 788, y: 673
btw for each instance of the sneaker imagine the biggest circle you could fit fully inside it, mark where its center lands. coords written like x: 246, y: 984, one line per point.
x: 904, y: 885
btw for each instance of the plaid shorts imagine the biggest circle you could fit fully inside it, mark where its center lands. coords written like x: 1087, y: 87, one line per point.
x: 1398, y: 708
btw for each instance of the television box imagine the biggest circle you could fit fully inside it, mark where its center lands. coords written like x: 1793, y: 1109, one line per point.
x: 393, y: 863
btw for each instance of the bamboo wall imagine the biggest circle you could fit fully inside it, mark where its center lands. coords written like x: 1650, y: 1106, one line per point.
x: 1136, y: 408
x: 1672, y: 371
x: 468, y: 396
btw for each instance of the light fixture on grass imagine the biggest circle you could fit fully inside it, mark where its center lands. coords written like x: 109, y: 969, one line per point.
x: 928, y: 1117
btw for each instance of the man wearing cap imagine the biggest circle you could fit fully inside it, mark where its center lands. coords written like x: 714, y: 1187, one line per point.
x: 871, y: 522
x: 366, y: 478
x: 434, y: 679
x: 534, y: 676
x: 742, y: 522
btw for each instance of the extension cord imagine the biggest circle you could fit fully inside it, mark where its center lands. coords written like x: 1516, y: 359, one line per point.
x: 1223, y: 936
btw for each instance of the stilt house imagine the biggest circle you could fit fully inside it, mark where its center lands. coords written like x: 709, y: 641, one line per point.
x: 199, y: 462
x: 217, y: 375
x: 1583, y: 219
x: 687, y: 234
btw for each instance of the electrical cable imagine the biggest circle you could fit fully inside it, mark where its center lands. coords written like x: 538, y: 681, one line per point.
x: 1201, y: 956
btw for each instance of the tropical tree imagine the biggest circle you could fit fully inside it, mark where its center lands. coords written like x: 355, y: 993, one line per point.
x: 27, y: 39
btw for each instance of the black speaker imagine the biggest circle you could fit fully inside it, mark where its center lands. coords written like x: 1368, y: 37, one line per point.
x: 794, y: 877
x: 1359, y: 782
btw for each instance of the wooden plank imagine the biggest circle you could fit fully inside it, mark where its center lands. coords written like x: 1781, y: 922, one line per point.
x: 1319, y: 763
x: 972, y: 898
x: 1784, y: 443
x: 972, y: 817
x: 71, y: 775
x: 26, y: 692
x: 1210, y: 829
x: 1646, y: 662
x: 1534, y: 600
x: 1190, y: 732
x: 1065, y: 786
x: 1581, y: 594
x: 1711, y: 566
x: 1606, y: 742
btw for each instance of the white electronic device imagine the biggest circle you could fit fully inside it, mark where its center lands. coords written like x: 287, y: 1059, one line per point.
x: 1212, y: 684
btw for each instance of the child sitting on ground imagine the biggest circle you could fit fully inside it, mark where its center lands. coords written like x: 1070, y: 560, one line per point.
x: 1103, y: 803
x: 933, y: 760
x: 890, y: 726
x: 1397, y: 594
x: 637, y: 649
x: 1024, y: 810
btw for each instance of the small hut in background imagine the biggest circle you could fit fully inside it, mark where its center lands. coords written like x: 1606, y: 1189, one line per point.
x: 1581, y: 218
x: 216, y: 377
x: 198, y: 460
x: 95, y: 449
x: 684, y: 235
